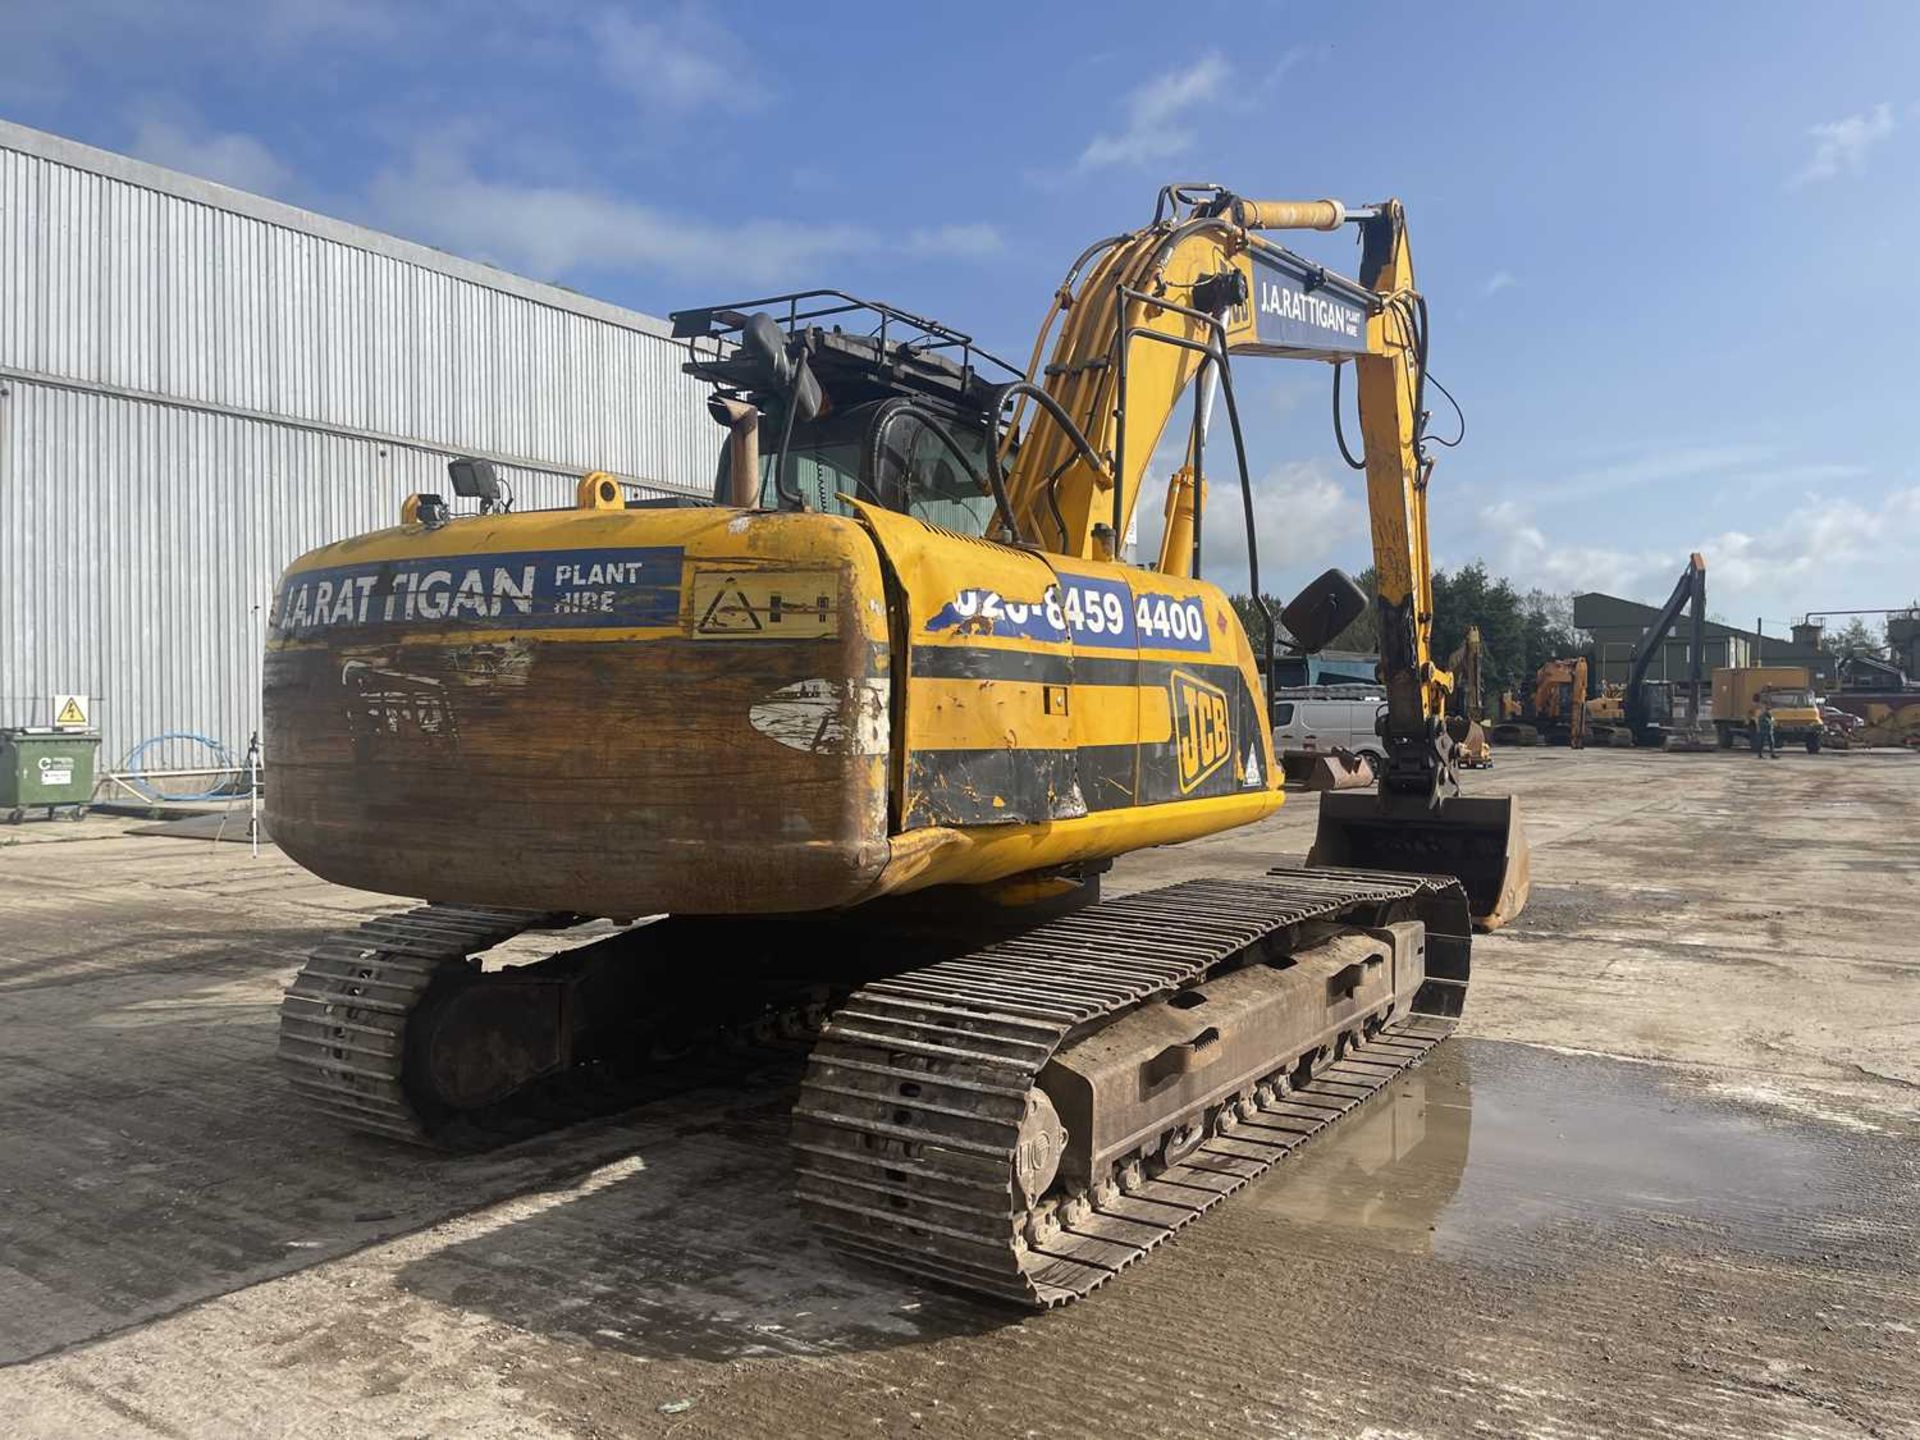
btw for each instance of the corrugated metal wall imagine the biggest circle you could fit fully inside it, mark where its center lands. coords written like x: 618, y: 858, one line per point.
x: 194, y: 396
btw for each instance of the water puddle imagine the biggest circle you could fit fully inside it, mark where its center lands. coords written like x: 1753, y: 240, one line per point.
x: 1491, y: 1149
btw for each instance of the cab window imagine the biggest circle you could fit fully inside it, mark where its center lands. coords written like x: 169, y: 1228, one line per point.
x: 887, y: 454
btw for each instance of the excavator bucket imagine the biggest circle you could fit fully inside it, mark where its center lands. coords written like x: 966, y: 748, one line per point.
x: 1476, y: 839
x: 1338, y: 770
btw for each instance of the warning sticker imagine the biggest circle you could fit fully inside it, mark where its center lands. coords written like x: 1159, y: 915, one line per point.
x: 70, y: 711
x: 765, y: 605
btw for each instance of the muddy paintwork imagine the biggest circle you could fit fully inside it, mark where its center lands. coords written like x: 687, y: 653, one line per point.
x: 1040, y: 689
x: 716, y: 711
x: 711, y: 741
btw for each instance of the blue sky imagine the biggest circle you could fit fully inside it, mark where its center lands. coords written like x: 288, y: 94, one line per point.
x: 1663, y: 244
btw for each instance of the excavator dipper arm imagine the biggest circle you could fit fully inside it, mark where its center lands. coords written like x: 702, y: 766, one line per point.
x: 1691, y: 590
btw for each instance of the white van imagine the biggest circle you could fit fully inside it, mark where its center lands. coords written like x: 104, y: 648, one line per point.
x: 1313, y: 719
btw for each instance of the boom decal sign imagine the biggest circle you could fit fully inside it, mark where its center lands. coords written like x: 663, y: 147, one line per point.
x: 515, y: 590
x: 1294, y: 314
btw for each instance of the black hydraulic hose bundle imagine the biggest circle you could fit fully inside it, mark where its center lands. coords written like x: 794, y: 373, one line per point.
x: 1417, y: 331
x: 994, y: 474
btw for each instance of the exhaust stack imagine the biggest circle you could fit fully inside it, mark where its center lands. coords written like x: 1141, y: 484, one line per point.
x: 743, y: 449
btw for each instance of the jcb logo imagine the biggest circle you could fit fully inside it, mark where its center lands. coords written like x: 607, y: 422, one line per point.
x: 1201, y: 733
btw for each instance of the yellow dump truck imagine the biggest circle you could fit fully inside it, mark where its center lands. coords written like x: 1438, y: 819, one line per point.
x: 1740, y: 693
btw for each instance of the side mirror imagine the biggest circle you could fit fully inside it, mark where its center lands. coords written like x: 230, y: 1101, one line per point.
x: 790, y: 375
x: 1316, y: 616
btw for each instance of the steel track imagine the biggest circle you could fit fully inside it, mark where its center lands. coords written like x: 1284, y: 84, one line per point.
x: 344, y: 1042
x: 343, y: 1023
x: 914, y: 1094
x: 913, y: 1100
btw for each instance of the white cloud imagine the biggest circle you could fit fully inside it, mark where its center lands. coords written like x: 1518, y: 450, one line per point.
x: 293, y: 23
x: 1154, y: 114
x: 1820, y: 552
x: 681, y: 62
x: 1841, y: 146
x: 1521, y: 551
x: 1498, y: 281
x: 1289, y: 58
x: 48, y: 50
x: 961, y: 242
x: 1671, y: 466
x: 1306, y: 517
x: 549, y: 230
x: 229, y: 158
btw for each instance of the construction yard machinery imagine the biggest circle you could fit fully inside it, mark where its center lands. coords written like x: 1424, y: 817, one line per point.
x: 1742, y: 692
x: 1469, y: 701
x: 1554, y: 712
x: 1607, y: 717
x: 1879, y: 698
x: 1644, y: 712
x: 862, y: 734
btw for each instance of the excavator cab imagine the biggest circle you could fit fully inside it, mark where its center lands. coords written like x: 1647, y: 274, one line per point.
x: 887, y: 453
x: 844, y: 401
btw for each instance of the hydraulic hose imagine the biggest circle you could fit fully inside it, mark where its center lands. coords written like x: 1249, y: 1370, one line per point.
x: 133, y: 768
x: 1072, y: 431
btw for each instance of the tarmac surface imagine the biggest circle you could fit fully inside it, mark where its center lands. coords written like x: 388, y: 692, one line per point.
x: 1663, y: 1183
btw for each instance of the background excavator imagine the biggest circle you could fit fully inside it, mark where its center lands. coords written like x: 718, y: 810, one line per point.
x: 1554, y: 712
x: 1468, y: 701
x: 862, y: 733
x: 1651, y: 715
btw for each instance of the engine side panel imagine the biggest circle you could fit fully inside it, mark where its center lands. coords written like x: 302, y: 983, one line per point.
x: 1057, y: 710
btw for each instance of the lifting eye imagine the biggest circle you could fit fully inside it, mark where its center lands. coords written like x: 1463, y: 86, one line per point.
x: 1188, y: 999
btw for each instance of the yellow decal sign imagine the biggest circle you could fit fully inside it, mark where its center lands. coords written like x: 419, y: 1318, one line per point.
x: 765, y: 604
x: 1202, y: 730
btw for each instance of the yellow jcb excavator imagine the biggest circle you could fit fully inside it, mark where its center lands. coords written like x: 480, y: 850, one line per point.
x: 1475, y: 751
x: 860, y: 736
x: 1554, y: 712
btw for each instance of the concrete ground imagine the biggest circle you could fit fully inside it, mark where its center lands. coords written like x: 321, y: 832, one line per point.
x: 1665, y: 1183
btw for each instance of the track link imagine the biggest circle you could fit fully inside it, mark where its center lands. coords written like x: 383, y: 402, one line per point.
x: 911, y: 1110
x: 343, y: 1022
x: 657, y: 1028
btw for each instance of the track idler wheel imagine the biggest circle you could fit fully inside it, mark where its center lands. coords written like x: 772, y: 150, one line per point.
x: 1043, y: 1140
x: 479, y: 1038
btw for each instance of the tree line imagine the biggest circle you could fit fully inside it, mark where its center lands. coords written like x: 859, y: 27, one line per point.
x: 1519, y: 630
x: 1859, y: 637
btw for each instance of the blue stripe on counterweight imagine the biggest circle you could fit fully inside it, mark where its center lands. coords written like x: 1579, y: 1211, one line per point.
x: 510, y: 590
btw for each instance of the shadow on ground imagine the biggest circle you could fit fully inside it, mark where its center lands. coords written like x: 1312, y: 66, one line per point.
x: 693, y: 1248
x: 153, y: 1154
